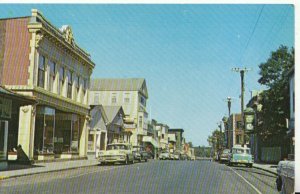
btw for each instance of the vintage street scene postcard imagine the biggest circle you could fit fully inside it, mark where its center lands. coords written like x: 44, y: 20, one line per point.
x: 137, y: 98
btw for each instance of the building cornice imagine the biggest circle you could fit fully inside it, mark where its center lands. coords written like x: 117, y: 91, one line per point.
x: 45, y: 29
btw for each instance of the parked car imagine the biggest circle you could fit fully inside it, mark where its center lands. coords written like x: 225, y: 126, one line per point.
x: 164, y: 155
x: 286, y: 176
x: 224, y: 155
x: 140, y: 153
x: 183, y: 157
x: 150, y: 155
x: 193, y: 158
x: 240, y: 155
x: 176, y: 155
x: 172, y: 156
x: 116, y: 153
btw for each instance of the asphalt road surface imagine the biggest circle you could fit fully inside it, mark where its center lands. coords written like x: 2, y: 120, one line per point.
x: 151, y: 177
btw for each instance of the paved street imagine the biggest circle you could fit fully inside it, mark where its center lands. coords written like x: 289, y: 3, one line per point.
x: 152, y: 177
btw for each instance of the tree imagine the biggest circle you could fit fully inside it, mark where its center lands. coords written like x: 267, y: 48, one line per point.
x: 275, y: 100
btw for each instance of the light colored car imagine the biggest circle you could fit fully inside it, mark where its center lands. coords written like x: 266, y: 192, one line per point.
x: 172, y: 156
x: 176, y: 155
x: 193, y: 158
x: 116, y: 153
x: 240, y: 155
x: 286, y: 176
x: 224, y: 155
x: 164, y: 155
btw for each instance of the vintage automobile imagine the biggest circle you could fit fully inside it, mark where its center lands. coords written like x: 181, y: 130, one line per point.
x: 140, y: 153
x: 116, y: 153
x: 286, y: 176
x: 240, y: 155
x: 224, y: 155
x: 184, y: 157
x: 193, y: 158
x: 164, y: 155
x: 172, y: 156
x: 176, y: 155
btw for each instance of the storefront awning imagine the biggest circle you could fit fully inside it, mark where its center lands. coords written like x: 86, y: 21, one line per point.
x: 150, y: 140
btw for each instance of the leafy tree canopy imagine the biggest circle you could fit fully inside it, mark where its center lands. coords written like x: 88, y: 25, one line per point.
x: 275, y: 100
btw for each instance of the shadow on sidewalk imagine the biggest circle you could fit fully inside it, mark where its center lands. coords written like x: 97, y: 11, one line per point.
x: 19, y: 166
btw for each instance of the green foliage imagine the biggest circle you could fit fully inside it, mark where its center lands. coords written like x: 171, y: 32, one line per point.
x: 275, y: 100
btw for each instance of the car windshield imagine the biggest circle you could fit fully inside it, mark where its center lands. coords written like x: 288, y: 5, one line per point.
x: 237, y: 151
x: 240, y: 151
x: 116, y: 147
x: 226, y: 151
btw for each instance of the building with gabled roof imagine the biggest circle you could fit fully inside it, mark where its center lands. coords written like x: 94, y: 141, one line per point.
x: 131, y: 94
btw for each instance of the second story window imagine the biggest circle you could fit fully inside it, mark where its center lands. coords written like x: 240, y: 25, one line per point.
x: 113, y: 98
x: 85, y: 86
x: 76, y: 83
x: 61, y: 80
x: 143, y: 101
x: 52, y: 67
x: 126, y: 99
x: 69, y: 91
x: 41, y: 72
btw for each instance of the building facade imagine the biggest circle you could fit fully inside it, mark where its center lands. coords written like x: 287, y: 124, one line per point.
x: 178, y: 137
x: 162, y: 132
x: 235, y: 130
x: 132, y: 95
x: 97, y: 139
x: 10, y: 104
x: 43, y: 61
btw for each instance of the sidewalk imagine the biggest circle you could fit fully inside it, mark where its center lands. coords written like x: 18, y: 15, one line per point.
x: 16, y: 170
x: 271, y: 168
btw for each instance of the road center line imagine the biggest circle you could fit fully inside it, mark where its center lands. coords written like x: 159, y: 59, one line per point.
x: 246, y: 181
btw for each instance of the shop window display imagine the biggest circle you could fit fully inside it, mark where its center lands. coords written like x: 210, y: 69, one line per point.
x: 44, y: 130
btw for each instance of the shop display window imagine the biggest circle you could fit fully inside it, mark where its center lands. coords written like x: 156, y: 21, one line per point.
x: 44, y: 130
x: 3, y: 139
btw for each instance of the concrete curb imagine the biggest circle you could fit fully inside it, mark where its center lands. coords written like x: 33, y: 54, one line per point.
x: 47, y: 171
x: 270, y: 171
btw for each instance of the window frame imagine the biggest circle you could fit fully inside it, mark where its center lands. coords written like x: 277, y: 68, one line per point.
x: 41, y: 71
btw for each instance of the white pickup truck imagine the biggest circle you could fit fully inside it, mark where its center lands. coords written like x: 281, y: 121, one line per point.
x: 286, y: 176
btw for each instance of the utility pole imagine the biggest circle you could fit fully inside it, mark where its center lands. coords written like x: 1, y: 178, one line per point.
x: 242, y: 73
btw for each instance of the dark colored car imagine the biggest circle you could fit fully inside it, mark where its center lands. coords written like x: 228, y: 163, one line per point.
x: 141, y: 153
x: 184, y: 157
x: 224, y: 155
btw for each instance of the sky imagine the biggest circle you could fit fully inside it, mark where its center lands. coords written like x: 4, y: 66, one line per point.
x: 185, y: 52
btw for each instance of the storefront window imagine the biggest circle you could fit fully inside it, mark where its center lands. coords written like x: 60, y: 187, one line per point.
x: 66, y: 137
x: 44, y: 130
x: 75, y: 134
x: 3, y: 139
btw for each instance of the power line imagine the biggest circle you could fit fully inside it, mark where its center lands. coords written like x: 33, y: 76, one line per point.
x: 261, y: 10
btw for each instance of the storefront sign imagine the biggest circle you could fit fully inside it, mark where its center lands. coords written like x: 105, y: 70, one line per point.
x: 5, y: 108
